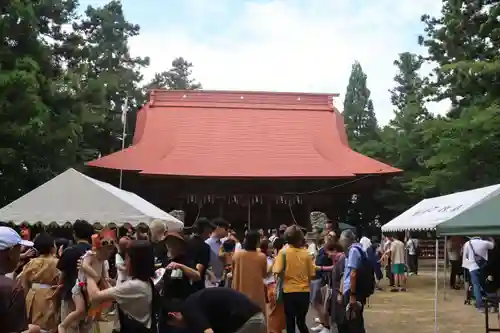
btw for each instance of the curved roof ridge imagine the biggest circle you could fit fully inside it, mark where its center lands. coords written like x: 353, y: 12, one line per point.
x: 248, y: 99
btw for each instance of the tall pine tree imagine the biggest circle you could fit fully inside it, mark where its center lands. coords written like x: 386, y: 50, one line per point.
x: 176, y: 78
x: 105, y: 34
x: 359, y: 115
x: 464, y: 42
x: 408, y: 97
x: 403, y: 140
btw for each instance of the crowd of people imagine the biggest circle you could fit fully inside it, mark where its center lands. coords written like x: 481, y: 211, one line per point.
x: 475, y: 266
x: 201, y: 280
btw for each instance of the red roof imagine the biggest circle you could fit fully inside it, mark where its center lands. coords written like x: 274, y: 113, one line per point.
x: 241, y: 134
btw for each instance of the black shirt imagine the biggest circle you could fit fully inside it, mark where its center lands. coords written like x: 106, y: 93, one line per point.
x: 224, y: 310
x: 200, y: 252
x: 68, y: 265
x: 322, y: 259
x: 178, y: 288
x: 160, y: 252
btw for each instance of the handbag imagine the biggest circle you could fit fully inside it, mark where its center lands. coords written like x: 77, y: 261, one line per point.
x: 278, y: 291
x: 480, y: 261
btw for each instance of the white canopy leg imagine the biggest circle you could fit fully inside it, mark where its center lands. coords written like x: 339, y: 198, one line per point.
x: 436, y: 289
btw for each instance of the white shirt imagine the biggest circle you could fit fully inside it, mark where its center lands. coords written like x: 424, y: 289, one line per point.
x: 365, y: 242
x: 134, y: 298
x: 312, y: 249
x: 397, y: 252
x: 478, y: 247
x: 411, y: 246
x: 121, y: 275
x: 270, y: 277
x: 387, y: 245
x: 453, y: 253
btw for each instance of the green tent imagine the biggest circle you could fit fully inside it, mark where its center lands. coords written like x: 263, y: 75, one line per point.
x: 345, y: 226
x: 482, y: 219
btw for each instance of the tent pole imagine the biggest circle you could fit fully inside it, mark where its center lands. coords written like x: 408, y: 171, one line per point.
x: 445, y: 266
x: 436, y: 289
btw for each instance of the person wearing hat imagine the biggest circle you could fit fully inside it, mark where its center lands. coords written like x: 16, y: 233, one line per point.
x: 180, y: 272
x: 12, y: 298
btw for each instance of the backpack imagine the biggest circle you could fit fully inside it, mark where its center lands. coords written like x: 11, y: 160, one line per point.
x: 365, y: 276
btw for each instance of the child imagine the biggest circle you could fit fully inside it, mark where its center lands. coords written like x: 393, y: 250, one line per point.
x: 102, y: 248
x: 226, y: 253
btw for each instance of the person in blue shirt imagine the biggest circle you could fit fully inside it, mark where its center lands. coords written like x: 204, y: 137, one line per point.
x: 353, y: 321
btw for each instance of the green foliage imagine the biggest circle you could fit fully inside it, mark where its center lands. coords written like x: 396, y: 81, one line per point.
x: 458, y: 151
x: 464, y: 43
x: 176, y: 78
x: 62, y: 91
x: 359, y: 114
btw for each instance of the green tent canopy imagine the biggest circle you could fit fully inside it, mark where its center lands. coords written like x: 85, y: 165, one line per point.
x: 483, y: 219
x: 345, y: 226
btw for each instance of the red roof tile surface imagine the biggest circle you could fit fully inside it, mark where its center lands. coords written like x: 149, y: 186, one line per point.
x: 241, y: 134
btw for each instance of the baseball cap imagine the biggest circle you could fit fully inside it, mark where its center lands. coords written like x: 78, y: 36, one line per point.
x: 10, y: 238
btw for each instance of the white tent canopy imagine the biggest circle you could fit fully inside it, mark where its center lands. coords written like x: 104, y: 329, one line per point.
x: 72, y: 195
x: 429, y: 213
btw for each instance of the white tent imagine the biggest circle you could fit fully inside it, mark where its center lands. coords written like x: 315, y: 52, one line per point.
x: 72, y: 195
x: 429, y: 213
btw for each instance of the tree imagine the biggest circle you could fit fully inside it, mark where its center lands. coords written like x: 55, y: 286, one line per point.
x: 176, y: 78
x: 43, y: 105
x: 359, y: 114
x: 402, y: 141
x: 464, y: 147
x: 104, y: 34
x: 408, y: 97
x: 465, y: 44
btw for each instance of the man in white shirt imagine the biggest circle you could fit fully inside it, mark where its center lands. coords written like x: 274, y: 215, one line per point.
x: 412, y: 247
x: 398, y: 260
x: 475, y: 258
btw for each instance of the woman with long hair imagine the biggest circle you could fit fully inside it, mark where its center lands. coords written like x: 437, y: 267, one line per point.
x: 136, y: 297
x: 249, y: 270
x: 295, y: 267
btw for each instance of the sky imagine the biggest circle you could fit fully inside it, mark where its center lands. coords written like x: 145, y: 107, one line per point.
x: 282, y: 45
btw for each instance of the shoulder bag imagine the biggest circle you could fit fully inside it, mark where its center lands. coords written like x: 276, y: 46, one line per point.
x: 280, y: 280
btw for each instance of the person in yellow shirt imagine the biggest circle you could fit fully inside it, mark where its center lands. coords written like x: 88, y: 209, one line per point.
x: 295, y: 266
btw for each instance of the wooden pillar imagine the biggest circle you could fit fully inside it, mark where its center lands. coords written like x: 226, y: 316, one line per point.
x: 269, y: 217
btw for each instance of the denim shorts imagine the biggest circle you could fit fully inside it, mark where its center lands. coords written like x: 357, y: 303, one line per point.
x: 315, y: 296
